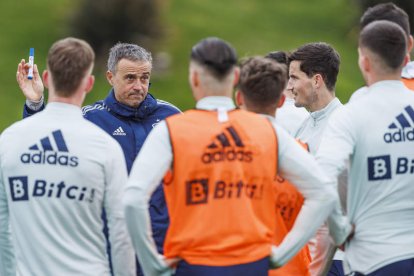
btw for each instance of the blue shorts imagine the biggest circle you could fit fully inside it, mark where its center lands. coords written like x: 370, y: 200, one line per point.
x: 257, y: 268
x: 336, y: 269
x: 401, y: 268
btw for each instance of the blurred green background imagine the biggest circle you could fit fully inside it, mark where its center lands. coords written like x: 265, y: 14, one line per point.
x: 253, y: 28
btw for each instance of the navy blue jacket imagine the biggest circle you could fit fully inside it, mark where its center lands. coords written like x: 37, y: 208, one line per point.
x: 130, y: 127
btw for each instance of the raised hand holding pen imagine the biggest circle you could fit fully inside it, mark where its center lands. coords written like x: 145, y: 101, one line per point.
x: 32, y: 88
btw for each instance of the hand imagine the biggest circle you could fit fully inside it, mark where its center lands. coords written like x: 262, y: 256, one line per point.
x: 350, y: 236
x: 32, y: 89
x: 273, y: 262
x: 172, y: 262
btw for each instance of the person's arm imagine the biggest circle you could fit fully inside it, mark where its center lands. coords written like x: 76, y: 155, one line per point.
x: 300, y: 168
x: 7, y: 262
x: 337, y: 146
x: 149, y: 168
x: 122, y: 253
x: 32, y: 89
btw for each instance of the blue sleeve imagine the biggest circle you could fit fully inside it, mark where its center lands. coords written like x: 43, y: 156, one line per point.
x: 27, y: 112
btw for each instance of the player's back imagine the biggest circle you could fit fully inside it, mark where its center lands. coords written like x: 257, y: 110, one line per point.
x: 55, y: 174
x: 381, y: 186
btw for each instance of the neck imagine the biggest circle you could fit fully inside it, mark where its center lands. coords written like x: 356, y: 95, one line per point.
x: 76, y: 99
x: 205, y: 93
x: 324, y: 98
x: 373, y: 78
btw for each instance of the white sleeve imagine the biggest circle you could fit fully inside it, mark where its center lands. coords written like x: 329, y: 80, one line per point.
x: 122, y: 253
x: 7, y: 265
x: 152, y: 163
x: 333, y: 156
x: 300, y: 168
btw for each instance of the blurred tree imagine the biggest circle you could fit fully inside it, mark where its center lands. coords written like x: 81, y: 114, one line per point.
x: 105, y: 22
x: 406, y: 5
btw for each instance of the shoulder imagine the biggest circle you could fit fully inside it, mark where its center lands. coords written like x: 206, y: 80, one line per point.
x: 95, y: 108
x: 166, y: 107
x: 97, y: 135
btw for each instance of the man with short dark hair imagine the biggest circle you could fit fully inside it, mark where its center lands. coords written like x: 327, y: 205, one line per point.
x: 313, y: 70
x: 262, y: 90
x: 220, y: 196
x: 288, y: 116
x: 128, y: 113
x: 391, y: 12
x: 57, y: 170
x: 373, y: 133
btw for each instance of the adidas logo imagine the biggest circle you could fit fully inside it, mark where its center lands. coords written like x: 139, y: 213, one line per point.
x: 119, y: 132
x: 46, y: 152
x: 227, y: 146
x: 403, y: 129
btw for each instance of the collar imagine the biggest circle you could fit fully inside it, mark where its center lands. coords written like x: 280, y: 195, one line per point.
x: 289, y: 101
x: 320, y: 114
x: 272, y: 119
x: 379, y: 85
x: 148, y: 105
x: 215, y: 102
x: 408, y: 71
x: 64, y: 109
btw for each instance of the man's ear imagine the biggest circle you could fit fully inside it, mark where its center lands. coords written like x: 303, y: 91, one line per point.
x: 317, y: 81
x: 109, y: 77
x: 45, y: 76
x: 410, y: 44
x: 366, y: 63
x: 90, y: 83
x: 195, y: 78
x: 239, y: 98
x: 236, y: 76
x: 281, y: 100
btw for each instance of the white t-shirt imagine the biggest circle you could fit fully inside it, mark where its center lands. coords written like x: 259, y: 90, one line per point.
x: 291, y: 117
x: 58, y: 171
x: 295, y: 165
x: 376, y: 135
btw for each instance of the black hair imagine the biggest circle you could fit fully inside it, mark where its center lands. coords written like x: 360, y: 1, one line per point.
x: 318, y: 58
x: 387, y: 40
x: 217, y: 55
x: 278, y: 56
x: 386, y: 11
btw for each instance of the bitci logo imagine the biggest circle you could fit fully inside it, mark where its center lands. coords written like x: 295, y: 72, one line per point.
x: 379, y: 167
x: 18, y: 188
x: 197, y: 191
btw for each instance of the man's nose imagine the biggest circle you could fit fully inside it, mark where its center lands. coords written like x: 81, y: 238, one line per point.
x: 138, y: 85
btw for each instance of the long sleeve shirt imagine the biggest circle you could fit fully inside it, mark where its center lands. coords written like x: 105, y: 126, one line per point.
x: 376, y: 135
x: 58, y: 171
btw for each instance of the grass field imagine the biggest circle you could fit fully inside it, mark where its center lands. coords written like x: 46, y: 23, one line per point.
x: 253, y: 27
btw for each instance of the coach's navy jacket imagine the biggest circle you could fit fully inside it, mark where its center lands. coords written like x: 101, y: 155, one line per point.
x: 130, y: 127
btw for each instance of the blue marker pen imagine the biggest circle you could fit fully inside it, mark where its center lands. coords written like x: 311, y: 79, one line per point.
x: 31, y: 63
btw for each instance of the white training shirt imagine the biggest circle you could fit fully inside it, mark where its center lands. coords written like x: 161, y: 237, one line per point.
x: 376, y: 134
x: 311, y: 132
x: 312, y: 128
x: 407, y: 73
x: 58, y: 171
x: 291, y: 117
x: 295, y: 165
